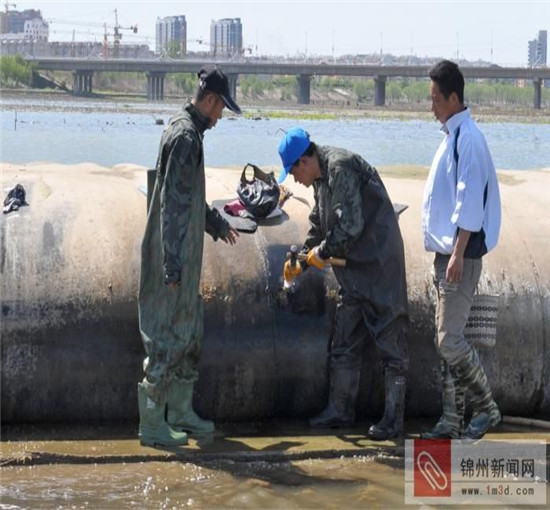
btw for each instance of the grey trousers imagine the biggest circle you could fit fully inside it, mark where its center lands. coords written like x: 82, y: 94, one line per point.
x: 352, y: 332
x: 453, y: 307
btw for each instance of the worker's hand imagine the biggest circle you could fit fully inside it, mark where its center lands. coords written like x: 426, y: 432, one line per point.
x: 455, y: 268
x: 314, y: 259
x: 291, y: 272
x: 231, y: 237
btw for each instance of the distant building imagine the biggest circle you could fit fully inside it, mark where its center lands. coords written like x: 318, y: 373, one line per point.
x: 537, y: 56
x: 226, y: 37
x: 14, y: 21
x: 28, y: 24
x: 4, y: 22
x: 171, y: 36
x: 36, y: 29
x: 15, y: 44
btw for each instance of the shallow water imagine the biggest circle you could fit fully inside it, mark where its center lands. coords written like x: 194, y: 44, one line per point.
x: 108, y: 135
x: 359, y: 482
x: 345, y: 483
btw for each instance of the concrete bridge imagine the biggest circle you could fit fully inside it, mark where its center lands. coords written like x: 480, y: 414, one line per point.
x: 156, y: 70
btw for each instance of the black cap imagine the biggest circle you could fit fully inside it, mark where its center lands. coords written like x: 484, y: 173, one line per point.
x: 212, y: 78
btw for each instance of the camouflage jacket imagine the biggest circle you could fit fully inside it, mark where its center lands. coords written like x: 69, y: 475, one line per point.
x: 184, y: 214
x: 353, y: 218
x: 171, y: 319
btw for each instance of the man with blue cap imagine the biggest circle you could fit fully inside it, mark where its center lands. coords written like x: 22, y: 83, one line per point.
x: 353, y: 218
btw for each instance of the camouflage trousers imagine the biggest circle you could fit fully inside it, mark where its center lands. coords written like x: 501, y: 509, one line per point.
x: 172, y: 337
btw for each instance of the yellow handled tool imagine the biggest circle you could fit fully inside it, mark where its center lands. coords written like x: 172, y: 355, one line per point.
x: 333, y: 261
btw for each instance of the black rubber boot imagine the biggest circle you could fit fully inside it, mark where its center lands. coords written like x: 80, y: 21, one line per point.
x: 391, y: 424
x: 340, y: 411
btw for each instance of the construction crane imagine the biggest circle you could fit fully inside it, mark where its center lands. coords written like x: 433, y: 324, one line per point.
x: 7, y: 6
x: 202, y: 41
x: 244, y: 50
x: 117, y: 35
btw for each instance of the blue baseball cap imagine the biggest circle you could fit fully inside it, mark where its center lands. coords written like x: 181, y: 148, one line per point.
x: 292, y: 146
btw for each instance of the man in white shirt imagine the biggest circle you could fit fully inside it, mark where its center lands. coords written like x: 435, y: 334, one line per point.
x: 461, y: 223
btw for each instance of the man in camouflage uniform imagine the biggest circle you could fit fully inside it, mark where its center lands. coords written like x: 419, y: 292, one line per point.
x: 354, y: 218
x: 170, y: 307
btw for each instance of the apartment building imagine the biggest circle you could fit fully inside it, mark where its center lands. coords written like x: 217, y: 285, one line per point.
x: 171, y: 36
x: 226, y: 37
x: 538, y: 48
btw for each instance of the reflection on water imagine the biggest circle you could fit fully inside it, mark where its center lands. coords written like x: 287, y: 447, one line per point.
x: 112, y: 137
x: 359, y: 482
x: 345, y: 483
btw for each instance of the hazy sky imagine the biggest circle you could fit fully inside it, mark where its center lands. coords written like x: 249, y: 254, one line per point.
x: 428, y: 28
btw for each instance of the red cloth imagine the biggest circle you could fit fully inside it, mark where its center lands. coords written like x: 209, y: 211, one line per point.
x: 234, y: 207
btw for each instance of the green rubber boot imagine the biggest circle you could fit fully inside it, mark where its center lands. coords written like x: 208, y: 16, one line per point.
x: 181, y: 415
x: 153, y: 429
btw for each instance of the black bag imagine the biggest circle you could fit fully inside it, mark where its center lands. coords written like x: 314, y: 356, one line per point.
x: 16, y: 193
x: 260, y: 196
x: 15, y: 199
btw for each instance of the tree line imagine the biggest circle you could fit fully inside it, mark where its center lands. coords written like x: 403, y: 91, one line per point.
x: 361, y: 90
x: 15, y: 71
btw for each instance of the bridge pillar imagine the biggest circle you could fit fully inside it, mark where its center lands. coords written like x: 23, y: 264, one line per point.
x: 233, y: 78
x: 35, y: 79
x: 304, y: 81
x: 380, y: 90
x: 82, y: 83
x: 155, y: 85
x: 537, y: 86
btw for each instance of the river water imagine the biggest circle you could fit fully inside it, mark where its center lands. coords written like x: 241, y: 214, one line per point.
x: 107, y: 134
x: 359, y: 482
x: 375, y: 482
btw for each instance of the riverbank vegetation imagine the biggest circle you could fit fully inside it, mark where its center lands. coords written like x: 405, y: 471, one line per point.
x: 356, y: 91
x: 15, y: 71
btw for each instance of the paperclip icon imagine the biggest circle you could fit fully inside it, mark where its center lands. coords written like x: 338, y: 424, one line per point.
x: 431, y: 471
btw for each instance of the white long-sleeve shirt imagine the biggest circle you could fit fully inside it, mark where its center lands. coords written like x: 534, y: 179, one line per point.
x: 453, y: 197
